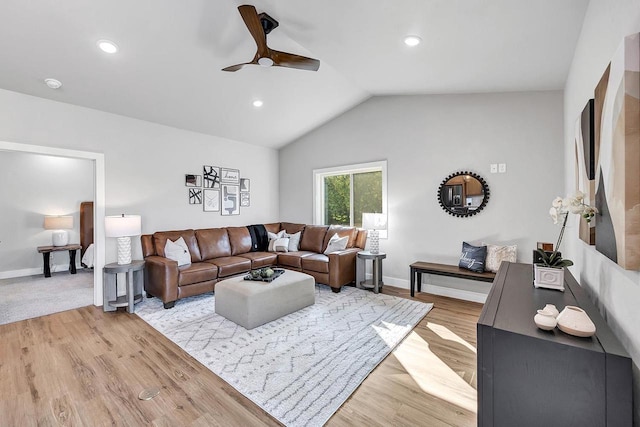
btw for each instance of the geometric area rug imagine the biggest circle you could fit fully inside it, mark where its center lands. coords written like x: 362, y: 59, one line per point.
x: 302, y: 367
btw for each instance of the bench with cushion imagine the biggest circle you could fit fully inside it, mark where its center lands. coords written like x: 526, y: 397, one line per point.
x: 219, y: 253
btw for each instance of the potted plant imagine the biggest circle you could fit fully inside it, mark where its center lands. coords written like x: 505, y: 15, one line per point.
x: 549, y: 273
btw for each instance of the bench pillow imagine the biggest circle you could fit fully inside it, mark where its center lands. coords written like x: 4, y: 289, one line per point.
x: 473, y: 257
x: 496, y: 254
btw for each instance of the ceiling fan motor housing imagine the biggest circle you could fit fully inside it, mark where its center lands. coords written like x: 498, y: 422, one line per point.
x: 268, y: 23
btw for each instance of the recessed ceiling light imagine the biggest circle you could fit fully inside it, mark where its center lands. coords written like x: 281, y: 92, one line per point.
x: 258, y: 103
x: 107, y: 46
x: 53, y: 83
x: 412, y: 40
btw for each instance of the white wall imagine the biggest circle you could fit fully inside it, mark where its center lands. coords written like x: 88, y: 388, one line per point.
x: 614, y: 290
x: 34, y: 186
x: 424, y: 139
x: 145, y: 163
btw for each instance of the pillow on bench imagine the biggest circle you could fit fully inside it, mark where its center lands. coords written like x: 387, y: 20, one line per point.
x: 496, y: 254
x: 473, y: 257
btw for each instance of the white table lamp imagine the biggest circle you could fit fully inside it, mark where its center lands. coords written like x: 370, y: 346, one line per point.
x: 123, y: 227
x: 374, y: 222
x: 58, y: 224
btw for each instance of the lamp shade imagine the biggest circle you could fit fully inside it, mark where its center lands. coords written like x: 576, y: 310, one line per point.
x: 122, y: 225
x: 58, y: 222
x: 374, y: 221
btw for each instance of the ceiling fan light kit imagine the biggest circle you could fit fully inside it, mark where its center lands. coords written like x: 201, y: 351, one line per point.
x: 259, y: 25
x: 107, y: 46
x: 412, y: 40
x: 53, y: 83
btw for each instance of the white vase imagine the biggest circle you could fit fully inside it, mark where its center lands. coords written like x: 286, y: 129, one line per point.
x: 574, y: 321
x: 545, y: 320
x: 548, y: 277
x: 551, y: 309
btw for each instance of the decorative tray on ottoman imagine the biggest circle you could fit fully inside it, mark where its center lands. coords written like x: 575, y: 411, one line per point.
x: 261, y: 276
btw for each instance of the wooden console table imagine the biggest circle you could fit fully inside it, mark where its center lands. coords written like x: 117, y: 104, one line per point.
x: 46, y: 255
x: 530, y: 377
x: 419, y: 267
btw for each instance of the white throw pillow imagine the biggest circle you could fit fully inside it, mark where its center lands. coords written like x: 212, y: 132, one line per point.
x: 496, y: 254
x: 294, y: 241
x: 278, y: 235
x: 336, y: 243
x: 177, y: 251
x: 279, y: 245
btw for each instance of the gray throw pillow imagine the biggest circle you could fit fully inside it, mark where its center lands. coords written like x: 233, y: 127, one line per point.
x: 473, y: 257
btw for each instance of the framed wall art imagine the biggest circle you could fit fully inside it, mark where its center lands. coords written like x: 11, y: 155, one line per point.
x: 191, y: 180
x: 211, y: 176
x: 245, y: 200
x: 245, y: 185
x: 617, y: 179
x: 211, y: 200
x: 230, y: 200
x: 195, y: 196
x: 230, y: 176
x: 586, y: 159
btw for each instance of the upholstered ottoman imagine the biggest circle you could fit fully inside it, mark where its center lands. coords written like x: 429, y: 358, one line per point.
x: 251, y: 304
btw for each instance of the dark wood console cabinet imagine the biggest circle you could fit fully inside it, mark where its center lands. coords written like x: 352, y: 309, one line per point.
x: 531, y: 377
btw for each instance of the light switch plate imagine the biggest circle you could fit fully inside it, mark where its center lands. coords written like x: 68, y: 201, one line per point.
x: 502, y: 168
x: 494, y: 168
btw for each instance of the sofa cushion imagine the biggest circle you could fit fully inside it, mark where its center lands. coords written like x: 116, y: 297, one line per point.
x: 341, y: 231
x: 292, y: 227
x: 273, y: 227
x: 213, y: 243
x: 240, y: 239
x: 197, y: 272
x: 293, y: 259
x: 261, y: 259
x: 316, y: 262
x: 189, y: 236
x: 313, y: 238
x: 230, y: 265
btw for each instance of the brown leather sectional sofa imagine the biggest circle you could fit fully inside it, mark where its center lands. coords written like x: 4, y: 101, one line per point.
x: 219, y: 253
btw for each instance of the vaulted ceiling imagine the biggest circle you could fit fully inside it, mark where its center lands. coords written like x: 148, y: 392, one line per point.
x: 171, y: 52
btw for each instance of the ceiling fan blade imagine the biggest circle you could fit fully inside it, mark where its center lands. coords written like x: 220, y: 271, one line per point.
x: 252, y: 21
x: 284, y: 59
x: 236, y: 67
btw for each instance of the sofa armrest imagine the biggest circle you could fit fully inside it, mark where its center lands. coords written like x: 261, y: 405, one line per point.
x: 342, y: 267
x: 161, y: 278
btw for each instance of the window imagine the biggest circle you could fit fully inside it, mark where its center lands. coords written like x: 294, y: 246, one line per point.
x: 343, y: 193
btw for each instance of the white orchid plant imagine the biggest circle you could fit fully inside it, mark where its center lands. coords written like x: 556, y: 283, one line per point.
x: 559, y: 211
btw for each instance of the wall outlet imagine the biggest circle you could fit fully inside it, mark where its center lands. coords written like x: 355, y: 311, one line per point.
x: 494, y: 168
x: 502, y: 168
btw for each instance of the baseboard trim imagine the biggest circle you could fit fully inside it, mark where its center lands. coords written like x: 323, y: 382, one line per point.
x: 455, y: 293
x: 32, y: 271
x: 444, y: 291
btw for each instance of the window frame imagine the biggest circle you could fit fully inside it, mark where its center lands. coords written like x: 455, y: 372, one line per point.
x: 318, y: 187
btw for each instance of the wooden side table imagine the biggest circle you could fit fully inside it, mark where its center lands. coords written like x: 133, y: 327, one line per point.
x: 46, y: 256
x: 376, y: 282
x: 134, y: 284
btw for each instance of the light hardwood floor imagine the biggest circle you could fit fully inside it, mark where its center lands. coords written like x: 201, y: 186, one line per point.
x: 86, y: 367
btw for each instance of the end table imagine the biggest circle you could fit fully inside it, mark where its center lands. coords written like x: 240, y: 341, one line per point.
x: 376, y: 282
x: 134, y: 285
x: 46, y: 254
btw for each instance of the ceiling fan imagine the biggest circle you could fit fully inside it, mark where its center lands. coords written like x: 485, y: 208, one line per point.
x: 259, y: 26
